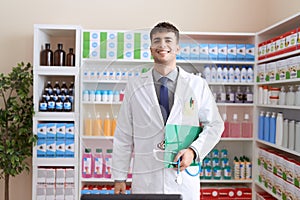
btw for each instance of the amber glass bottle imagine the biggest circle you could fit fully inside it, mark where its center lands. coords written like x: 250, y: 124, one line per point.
x: 59, y: 56
x: 46, y: 57
x: 70, y: 58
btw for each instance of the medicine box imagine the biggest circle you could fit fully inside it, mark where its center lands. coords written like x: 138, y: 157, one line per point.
x: 50, y: 193
x: 203, y: 49
x: 41, y: 176
x: 50, y: 177
x: 194, y: 51
x: 261, y: 73
x: 60, y: 130
x: 270, y: 48
x: 222, y: 51
x: 281, y: 71
x: 51, y: 148
x: 41, y: 148
x: 128, y: 45
x: 240, y: 51
x: 69, y: 131
x: 59, y: 193
x: 262, y: 50
x: 184, y: 52
x: 40, y: 193
x: 70, y: 175
x: 271, y: 71
x: 69, y: 150
x: 60, y: 148
x: 231, y: 52
x: 250, y: 52
x: 145, y: 45
x: 42, y: 130
x: 60, y: 175
x: 293, y: 67
x: 111, y: 52
x: 290, y: 40
x: 51, y: 131
x: 279, y: 45
x: 213, y: 51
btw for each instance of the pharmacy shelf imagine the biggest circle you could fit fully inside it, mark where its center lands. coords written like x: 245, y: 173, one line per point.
x: 295, y: 80
x: 102, y: 180
x: 266, y: 189
x: 240, y: 139
x: 278, y: 147
x: 55, y: 162
x: 101, y: 103
x: 97, y: 137
x: 236, y: 104
x: 229, y: 83
x: 57, y: 71
x: 279, y: 57
x: 57, y: 116
x: 232, y: 181
x: 279, y: 106
x: 105, y: 81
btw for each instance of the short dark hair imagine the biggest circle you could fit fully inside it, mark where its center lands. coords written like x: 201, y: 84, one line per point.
x: 165, y: 27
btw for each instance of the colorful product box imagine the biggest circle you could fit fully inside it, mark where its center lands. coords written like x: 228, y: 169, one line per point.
x: 211, y: 193
x: 240, y: 51
x: 203, y: 51
x: 184, y: 52
x: 70, y: 131
x: 293, y: 67
x: 231, y: 52
x: 60, y: 130
x: 290, y: 41
x: 41, y: 148
x: 261, y: 73
x: 279, y: 44
x: 128, y: 45
x: 270, y: 48
x: 145, y: 45
x: 298, y: 38
x: 297, y: 174
x: 262, y: 47
x: 243, y: 193
x: 69, y: 150
x: 278, y: 187
x: 51, y: 148
x: 271, y: 71
x: 250, y: 52
x: 289, y: 172
x: 281, y: 68
x: 222, y: 51
x: 226, y: 193
x: 194, y: 51
x: 51, y: 131
x: 213, y: 51
x: 42, y: 130
x: 60, y: 148
x: 112, y: 39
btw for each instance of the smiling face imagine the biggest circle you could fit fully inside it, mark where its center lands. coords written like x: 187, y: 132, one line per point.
x: 164, y: 47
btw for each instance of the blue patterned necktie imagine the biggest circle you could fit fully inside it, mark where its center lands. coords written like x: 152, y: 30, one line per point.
x: 164, y: 98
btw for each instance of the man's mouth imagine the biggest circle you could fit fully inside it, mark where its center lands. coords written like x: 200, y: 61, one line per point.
x: 163, y: 51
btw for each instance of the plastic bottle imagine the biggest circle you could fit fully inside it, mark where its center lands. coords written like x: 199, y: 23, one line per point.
x: 236, y: 168
x: 237, y: 74
x: 248, y: 171
x: 206, y: 73
x: 113, y: 125
x: 70, y: 58
x: 98, y: 129
x: 88, y: 125
x: 282, y: 96
x: 213, y: 74
x: 107, y: 125
x: 238, y: 95
x: 290, y: 96
x: 266, y: 95
x: 235, y: 127
x: 225, y: 74
x: 219, y: 74
x: 243, y: 74
x: 285, y: 137
x: 59, y: 56
x: 260, y: 95
x: 242, y: 169
x: 71, y: 92
x: 291, y: 137
x: 221, y: 96
x: 110, y: 96
x: 124, y: 75
x: 247, y: 127
x: 248, y: 95
x: 226, y: 126
x: 230, y: 95
x: 46, y: 56
x: 279, y: 129
x: 104, y: 96
x: 297, y: 97
x: 297, y: 137
x: 107, y: 163
x: 105, y: 74
x: 98, y: 163
x: 261, y: 125
x: 98, y: 96
x: 118, y: 74
x: 86, y: 95
x: 116, y: 96
x: 231, y: 74
x: 267, y: 127
x: 273, y: 128
x: 130, y: 74
x: 43, y: 104
x: 87, y: 159
x: 112, y: 74
x: 250, y: 74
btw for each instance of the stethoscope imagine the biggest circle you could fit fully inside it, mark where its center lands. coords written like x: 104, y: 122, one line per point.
x: 178, y: 179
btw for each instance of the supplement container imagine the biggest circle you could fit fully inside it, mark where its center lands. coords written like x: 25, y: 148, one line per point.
x: 274, y: 91
x: 274, y: 100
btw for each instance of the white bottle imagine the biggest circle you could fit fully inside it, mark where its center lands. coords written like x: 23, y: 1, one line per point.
x: 225, y: 74
x: 290, y: 96
x: 297, y: 97
x: 291, y: 140
x: 243, y: 74
x: 231, y: 74
x: 285, y: 138
x: 237, y: 74
x: 206, y: 73
x: 219, y: 74
x: 213, y: 74
x: 279, y: 129
x: 260, y: 95
x: 118, y: 74
x: 92, y: 96
x: 112, y: 74
x: 250, y: 75
x: 297, y: 137
x: 282, y: 96
x: 266, y: 95
x: 124, y: 75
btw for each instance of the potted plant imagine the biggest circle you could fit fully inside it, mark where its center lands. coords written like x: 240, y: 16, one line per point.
x: 16, y: 111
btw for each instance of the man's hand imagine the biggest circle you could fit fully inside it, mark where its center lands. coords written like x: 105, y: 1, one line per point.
x: 186, y: 156
x: 120, y: 188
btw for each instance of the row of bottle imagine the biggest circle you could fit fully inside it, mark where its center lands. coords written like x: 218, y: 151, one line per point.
x: 57, y: 98
x: 224, y: 74
x: 273, y: 128
x: 236, y: 128
x: 58, y: 58
x: 279, y: 96
x: 98, y: 126
x: 101, y: 189
x: 103, y: 96
x: 242, y: 168
x: 228, y: 95
x: 111, y: 73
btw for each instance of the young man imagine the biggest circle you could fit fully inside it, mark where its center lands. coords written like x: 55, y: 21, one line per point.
x: 164, y: 95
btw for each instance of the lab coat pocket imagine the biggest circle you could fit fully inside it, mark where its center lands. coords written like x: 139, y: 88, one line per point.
x: 190, y: 111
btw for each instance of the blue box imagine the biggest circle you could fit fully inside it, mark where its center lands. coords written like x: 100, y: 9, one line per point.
x: 222, y: 51
x: 51, y: 148
x: 42, y: 130
x: 194, y: 51
x: 69, y: 150
x: 184, y: 52
x: 213, y: 51
x: 231, y: 52
x: 51, y: 131
x: 240, y: 52
x: 69, y: 131
x: 203, y: 51
x: 41, y: 148
x: 60, y: 131
x: 250, y: 52
x: 60, y: 148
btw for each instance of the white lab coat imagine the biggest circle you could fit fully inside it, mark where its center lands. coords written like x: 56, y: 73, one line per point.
x: 140, y: 128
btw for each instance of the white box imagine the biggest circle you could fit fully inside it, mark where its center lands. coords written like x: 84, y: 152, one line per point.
x: 145, y: 45
x: 111, y: 52
x: 213, y: 51
x: 41, y: 176
x: 50, y: 177
x: 293, y: 67
x: 184, y: 52
x: 203, y: 51
x: 271, y: 71
x: 128, y: 45
x: 60, y: 130
x: 42, y: 130
x: 281, y: 66
x: 70, y: 131
x: 51, y: 130
x: 60, y: 175
x: 94, y: 44
x: 69, y: 152
x: 261, y: 72
x: 70, y: 175
x: 194, y: 51
x: 59, y: 193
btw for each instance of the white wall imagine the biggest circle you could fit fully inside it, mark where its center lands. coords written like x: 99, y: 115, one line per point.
x: 17, y: 19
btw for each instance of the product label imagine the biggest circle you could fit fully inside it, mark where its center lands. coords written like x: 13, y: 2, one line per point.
x: 43, y: 106
x: 87, y: 164
x: 98, y: 166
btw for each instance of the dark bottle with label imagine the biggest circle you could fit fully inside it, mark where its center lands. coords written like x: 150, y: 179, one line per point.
x: 51, y: 104
x: 59, y: 105
x: 71, y: 92
x: 70, y: 58
x: 56, y: 88
x: 67, y: 104
x: 64, y: 87
x: 59, y: 56
x: 46, y: 93
x: 46, y: 57
x: 43, y: 106
x: 49, y: 86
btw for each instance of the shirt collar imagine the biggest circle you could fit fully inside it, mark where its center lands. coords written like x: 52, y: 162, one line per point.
x: 171, y: 76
